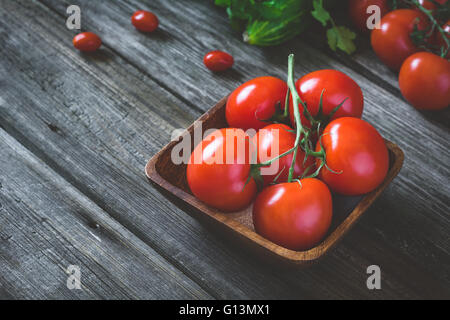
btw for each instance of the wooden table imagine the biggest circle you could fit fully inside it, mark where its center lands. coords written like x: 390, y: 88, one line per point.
x: 76, y: 131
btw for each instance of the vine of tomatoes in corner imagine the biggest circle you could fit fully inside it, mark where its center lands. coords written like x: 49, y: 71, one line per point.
x: 413, y: 39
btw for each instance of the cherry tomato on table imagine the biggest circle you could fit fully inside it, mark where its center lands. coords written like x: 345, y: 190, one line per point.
x: 357, y: 154
x: 87, y: 42
x: 425, y: 81
x: 145, y: 21
x: 295, y: 216
x: 358, y: 11
x: 218, y: 61
x: 392, y: 42
x: 254, y: 101
x: 218, y: 170
x: 338, y: 87
x: 274, y: 140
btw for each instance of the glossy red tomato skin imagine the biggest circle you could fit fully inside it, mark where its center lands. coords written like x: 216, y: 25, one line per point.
x: 424, y: 81
x: 87, y: 42
x: 221, y: 185
x: 218, y: 61
x: 358, y: 12
x: 274, y: 140
x: 392, y: 42
x: 293, y: 216
x: 145, y: 21
x: 338, y: 87
x: 254, y: 100
x: 357, y: 153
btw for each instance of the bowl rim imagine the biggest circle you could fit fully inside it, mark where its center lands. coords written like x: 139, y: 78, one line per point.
x: 225, y: 219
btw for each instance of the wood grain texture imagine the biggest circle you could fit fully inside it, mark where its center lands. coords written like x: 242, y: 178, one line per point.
x: 47, y: 225
x: 97, y: 119
x: 79, y: 115
x: 182, y: 41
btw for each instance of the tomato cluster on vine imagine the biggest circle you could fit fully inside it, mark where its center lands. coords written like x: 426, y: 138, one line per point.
x: 413, y: 39
x: 312, y: 133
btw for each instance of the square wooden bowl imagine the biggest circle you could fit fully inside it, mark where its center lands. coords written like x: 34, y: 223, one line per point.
x: 171, y: 179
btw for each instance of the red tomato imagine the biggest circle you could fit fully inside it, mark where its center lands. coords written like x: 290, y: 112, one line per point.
x: 216, y: 181
x: 358, y: 12
x: 425, y: 81
x: 392, y: 43
x: 294, y: 216
x: 218, y: 61
x: 144, y: 21
x: 87, y: 41
x: 338, y: 87
x: 357, y: 153
x: 254, y: 101
x: 275, y: 140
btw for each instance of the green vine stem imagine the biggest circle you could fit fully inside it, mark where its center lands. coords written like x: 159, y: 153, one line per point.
x: 269, y: 162
x: 295, y: 100
x: 435, y: 25
x: 296, y: 111
x: 299, y: 131
x: 305, y: 142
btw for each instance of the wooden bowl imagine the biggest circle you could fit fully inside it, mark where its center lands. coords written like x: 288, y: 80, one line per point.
x: 171, y: 179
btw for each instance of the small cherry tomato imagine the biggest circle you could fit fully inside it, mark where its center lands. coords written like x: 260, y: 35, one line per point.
x: 145, y: 21
x: 357, y: 154
x: 87, y: 42
x: 392, y: 42
x: 254, y: 101
x: 338, y: 87
x: 358, y: 12
x: 218, y: 61
x: 294, y: 215
x: 219, y: 168
x: 272, y: 141
x: 425, y: 81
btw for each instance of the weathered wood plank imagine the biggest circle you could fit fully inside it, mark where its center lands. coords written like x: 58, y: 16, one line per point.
x: 189, y: 29
x: 194, y: 28
x: 97, y: 121
x: 83, y: 101
x: 47, y: 225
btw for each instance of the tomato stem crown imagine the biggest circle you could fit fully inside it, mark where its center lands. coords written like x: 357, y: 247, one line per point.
x: 303, y: 137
